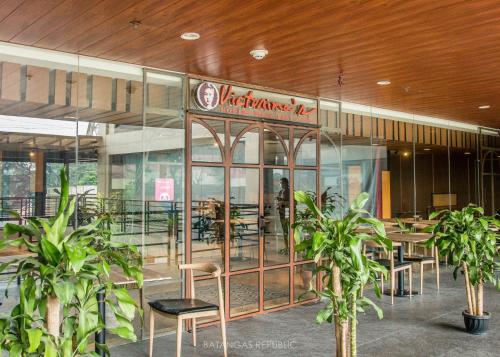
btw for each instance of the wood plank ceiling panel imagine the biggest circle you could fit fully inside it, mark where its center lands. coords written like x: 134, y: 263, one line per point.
x: 441, y: 56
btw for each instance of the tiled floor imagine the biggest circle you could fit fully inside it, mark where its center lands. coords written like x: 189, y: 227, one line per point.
x: 429, y: 325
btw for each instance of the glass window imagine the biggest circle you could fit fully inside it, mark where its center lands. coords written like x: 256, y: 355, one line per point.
x: 275, y: 152
x: 306, y: 152
x: 244, y: 224
x: 204, y: 146
x: 246, y: 149
x: 208, y: 218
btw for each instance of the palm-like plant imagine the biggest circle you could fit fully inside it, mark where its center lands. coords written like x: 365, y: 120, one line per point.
x: 336, y: 245
x: 466, y: 237
x: 64, y: 272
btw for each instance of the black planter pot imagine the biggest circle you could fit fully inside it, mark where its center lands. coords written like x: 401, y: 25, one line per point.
x: 476, y: 325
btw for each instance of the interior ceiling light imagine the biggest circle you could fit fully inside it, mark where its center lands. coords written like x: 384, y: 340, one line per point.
x: 406, y: 153
x: 427, y: 149
x: 384, y: 82
x: 466, y: 153
x: 484, y: 107
x: 259, y: 54
x: 190, y: 36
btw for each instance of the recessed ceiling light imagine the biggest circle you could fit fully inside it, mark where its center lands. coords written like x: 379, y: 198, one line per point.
x: 135, y: 23
x: 259, y: 54
x: 190, y: 36
x: 484, y: 107
x: 384, y: 82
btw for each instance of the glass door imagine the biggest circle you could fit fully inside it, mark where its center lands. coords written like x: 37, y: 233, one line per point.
x: 240, y: 209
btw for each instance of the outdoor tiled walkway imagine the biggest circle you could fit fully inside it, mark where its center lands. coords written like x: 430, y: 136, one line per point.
x: 429, y: 325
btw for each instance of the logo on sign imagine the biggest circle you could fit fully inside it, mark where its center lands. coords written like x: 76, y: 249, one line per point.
x: 236, y: 101
x: 207, y: 96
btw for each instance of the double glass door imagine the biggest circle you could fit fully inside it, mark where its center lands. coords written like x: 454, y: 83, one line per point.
x: 241, y: 177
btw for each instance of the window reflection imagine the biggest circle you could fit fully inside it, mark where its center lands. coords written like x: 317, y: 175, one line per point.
x: 204, y: 147
x: 274, y: 149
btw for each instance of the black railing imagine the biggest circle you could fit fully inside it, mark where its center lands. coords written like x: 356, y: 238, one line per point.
x: 130, y: 216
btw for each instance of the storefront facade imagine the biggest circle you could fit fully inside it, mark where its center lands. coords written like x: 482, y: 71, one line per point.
x: 200, y: 169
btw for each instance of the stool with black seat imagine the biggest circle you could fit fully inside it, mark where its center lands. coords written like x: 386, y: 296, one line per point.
x: 423, y: 260
x: 192, y: 308
x: 392, y: 267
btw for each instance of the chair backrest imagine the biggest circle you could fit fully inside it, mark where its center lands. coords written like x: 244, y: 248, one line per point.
x: 210, y: 268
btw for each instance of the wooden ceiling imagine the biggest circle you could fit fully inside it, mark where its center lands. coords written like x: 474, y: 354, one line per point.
x: 442, y: 56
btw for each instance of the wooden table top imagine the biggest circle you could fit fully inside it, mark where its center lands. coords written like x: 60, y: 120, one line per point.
x: 11, y: 253
x: 149, y: 275
x: 409, y: 237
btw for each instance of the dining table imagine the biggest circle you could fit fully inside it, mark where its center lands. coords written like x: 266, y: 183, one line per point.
x: 401, y: 238
x: 120, y: 280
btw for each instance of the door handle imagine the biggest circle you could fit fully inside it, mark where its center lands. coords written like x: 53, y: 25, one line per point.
x: 262, y: 223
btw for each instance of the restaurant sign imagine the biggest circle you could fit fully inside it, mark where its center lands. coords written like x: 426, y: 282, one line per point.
x: 229, y: 99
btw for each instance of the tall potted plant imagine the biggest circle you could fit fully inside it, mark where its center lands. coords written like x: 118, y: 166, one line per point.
x: 466, y: 237
x: 62, y: 273
x: 336, y: 245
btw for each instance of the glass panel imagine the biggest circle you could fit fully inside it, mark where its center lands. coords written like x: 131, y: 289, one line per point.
x: 206, y: 290
x: 244, y: 225
x: 247, y: 150
x: 274, y: 151
x: 331, y: 196
x: 304, y: 180
x: 204, y: 147
x: 276, y: 216
x: 276, y: 288
x: 219, y: 127
x: 164, y: 152
x: 243, y: 294
x: 236, y: 128
x: 357, y: 170
x: 302, y: 281
x: 284, y: 133
x: 306, y: 153
x: 207, y: 237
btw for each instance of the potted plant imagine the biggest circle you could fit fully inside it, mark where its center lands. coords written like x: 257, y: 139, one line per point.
x: 336, y: 245
x: 466, y: 237
x: 60, y: 275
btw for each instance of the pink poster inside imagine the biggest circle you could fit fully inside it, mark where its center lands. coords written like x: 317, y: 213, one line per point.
x: 164, y: 189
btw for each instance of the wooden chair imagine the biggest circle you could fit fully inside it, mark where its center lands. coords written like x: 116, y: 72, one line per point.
x: 392, y: 267
x: 183, y: 309
x: 423, y: 260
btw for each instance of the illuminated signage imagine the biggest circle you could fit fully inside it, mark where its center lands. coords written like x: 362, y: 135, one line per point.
x: 229, y: 99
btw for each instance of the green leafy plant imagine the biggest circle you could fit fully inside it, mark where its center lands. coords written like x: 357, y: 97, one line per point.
x: 466, y: 237
x: 63, y: 272
x: 336, y: 245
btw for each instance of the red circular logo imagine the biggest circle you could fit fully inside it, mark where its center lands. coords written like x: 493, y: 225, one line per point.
x: 207, y: 96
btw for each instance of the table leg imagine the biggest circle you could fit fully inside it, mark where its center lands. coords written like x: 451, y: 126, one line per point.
x: 401, y: 273
x: 100, y: 336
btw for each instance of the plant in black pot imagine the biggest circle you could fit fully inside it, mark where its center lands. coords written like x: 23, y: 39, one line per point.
x: 470, y: 241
